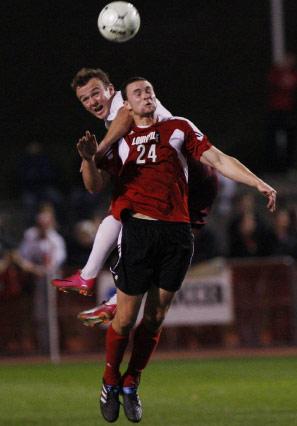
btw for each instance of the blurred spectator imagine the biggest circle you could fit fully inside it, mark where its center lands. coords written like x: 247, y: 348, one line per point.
x: 282, y: 104
x: 38, y: 180
x: 11, y: 266
x: 244, y: 202
x: 15, y: 329
x: 248, y: 234
x: 248, y: 238
x: 226, y: 193
x: 45, y: 248
x: 285, y: 242
x: 80, y: 243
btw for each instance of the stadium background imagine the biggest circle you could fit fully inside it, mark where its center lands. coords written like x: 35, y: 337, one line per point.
x: 208, y: 61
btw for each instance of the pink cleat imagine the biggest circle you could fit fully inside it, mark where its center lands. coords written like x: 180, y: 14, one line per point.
x: 99, y: 315
x: 75, y: 283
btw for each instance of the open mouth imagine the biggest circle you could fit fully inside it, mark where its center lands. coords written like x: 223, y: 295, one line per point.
x: 98, y: 108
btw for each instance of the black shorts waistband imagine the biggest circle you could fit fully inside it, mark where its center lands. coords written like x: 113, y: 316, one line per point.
x: 156, y: 222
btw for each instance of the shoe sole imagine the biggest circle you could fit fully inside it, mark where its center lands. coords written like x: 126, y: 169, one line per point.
x: 82, y: 291
x: 92, y: 321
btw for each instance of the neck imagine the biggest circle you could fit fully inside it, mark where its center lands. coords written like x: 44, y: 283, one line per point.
x: 145, y: 120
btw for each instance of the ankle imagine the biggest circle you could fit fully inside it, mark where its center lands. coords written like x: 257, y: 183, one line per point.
x: 131, y: 379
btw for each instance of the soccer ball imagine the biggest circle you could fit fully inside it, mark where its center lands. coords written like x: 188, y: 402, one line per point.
x: 119, y: 21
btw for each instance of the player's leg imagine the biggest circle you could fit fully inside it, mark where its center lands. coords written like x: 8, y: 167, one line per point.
x: 117, y: 338
x: 146, y: 338
x: 135, y: 273
x: 170, y: 260
x: 105, y: 241
x: 105, y: 312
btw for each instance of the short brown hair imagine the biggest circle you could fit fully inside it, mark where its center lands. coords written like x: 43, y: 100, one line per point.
x: 127, y: 82
x: 85, y: 74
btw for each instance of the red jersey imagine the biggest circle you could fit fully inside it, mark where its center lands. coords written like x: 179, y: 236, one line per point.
x: 154, y: 176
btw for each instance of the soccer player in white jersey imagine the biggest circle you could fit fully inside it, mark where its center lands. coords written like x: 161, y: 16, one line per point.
x: 99, y: 97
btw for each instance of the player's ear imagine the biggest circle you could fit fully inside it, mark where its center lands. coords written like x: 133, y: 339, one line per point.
x: 127, y: 106
x: 111, y: 89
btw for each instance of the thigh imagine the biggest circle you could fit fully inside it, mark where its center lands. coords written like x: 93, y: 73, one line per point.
x: 176, y: 258
x: 135, y: 269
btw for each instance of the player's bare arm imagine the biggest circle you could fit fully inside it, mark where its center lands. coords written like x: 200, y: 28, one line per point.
x: 94, y: 179
x: 119, y: 127
x: 234, y: 169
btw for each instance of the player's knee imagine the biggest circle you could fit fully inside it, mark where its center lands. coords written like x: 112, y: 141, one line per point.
x: 153, y: 321
x: 124, y: 324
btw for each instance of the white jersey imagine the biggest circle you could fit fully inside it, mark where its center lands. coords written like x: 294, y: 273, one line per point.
x: 117, y: 102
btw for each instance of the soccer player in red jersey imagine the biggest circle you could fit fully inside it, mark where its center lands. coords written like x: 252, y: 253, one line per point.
x: 201, y: 199
x: 156, y: 242
x: 98, y: 96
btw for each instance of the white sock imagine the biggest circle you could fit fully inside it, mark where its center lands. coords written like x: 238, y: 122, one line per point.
x: 105, y: 241
x: 112, y: 300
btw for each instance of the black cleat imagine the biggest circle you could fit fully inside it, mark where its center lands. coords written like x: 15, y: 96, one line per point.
x: 132, y: 404
x: 109, y: 402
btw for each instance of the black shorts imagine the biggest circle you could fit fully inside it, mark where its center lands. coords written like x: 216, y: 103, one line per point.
x: 153, y: 253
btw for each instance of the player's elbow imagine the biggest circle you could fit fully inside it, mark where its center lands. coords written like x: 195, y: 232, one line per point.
x: 94, y: 188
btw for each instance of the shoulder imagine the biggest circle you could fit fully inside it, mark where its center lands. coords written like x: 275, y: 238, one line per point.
x: 116, y: 104
x: 161, y: 112
x: 181, y: 123
x: 30, y: 233
x: 55, y: 236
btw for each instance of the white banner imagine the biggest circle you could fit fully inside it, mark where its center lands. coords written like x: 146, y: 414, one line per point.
x: 205, y: 297
x: 202, y: 300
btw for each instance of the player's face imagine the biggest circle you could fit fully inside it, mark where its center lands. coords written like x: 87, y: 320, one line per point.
x: 96, y: 97
x: 141, y: 98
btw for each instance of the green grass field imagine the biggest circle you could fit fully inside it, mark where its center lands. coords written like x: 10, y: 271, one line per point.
x: 225, y: 392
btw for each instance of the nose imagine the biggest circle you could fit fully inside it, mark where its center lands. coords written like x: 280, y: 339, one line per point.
x: 93, y: 102
x: 146, y: 96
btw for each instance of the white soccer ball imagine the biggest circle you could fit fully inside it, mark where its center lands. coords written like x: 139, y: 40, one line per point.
x: 119, y: 21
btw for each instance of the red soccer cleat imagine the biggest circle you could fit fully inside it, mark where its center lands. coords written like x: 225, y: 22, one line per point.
x: 75, y: 283
x: 98, y: 315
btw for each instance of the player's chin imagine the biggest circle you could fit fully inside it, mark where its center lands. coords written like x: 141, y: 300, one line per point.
x: 149, y: 109
x: 101, y: 114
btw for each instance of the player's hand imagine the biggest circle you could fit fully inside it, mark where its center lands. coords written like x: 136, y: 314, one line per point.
x: 269, y: 193
x: 87, y: 146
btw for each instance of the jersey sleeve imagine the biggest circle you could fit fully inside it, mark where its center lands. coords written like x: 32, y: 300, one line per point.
x: 196, y: 143
x: 116, y: 104
x: 161, y: 112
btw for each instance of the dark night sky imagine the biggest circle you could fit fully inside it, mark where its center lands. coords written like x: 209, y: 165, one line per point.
x: 207, y: 60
